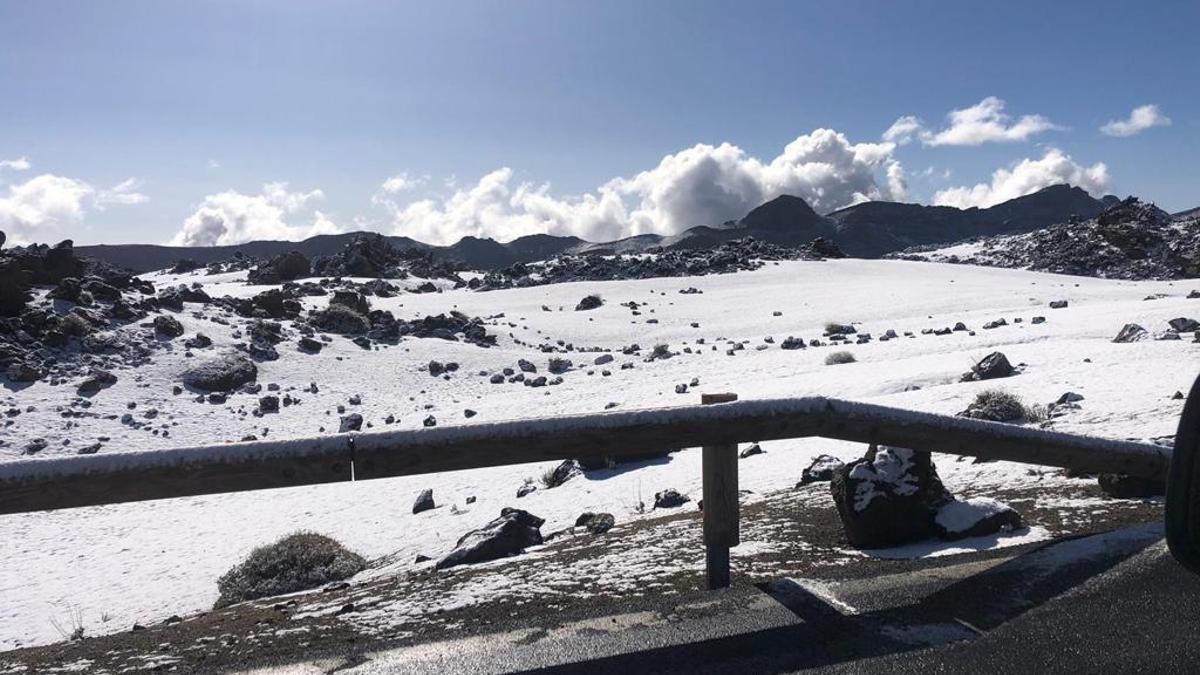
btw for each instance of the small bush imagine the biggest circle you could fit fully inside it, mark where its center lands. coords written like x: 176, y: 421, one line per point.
x: 839, y: 357
x: 997, y: 405
x: 297, y: 562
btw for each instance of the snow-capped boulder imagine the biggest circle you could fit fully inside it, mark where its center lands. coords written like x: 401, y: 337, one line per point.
x: 821, y: 470
x: 1131, y: 332
x: 508, y: 535
x: 975, y: 517
x: 889, y: 497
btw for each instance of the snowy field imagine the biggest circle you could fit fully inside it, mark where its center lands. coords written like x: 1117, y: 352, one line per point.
x: 117, y: 565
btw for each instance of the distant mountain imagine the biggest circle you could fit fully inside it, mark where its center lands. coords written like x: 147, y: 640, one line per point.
x: 871, y: 229
x: 866, y: 230
x: 1186, y: 215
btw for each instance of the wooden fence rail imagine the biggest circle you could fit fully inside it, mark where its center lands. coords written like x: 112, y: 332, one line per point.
x: 89, y: 480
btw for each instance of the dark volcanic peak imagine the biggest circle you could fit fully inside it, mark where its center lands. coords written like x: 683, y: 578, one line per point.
x: 1129, y: 240
x: 872, y: 229
x: 785, y: 212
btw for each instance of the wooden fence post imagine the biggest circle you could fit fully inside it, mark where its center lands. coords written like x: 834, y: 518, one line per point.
x: 720, y: 470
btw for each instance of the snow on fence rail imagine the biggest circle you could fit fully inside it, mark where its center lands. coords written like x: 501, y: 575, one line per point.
x: 89, y: 480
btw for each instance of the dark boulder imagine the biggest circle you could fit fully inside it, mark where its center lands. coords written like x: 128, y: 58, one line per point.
x: 990, y: 367
x: 168, y: 326
x: 596, y: 523
x: 424, y: 501
x: 669, y: 499
x: 1123, y: 486
x: 589, y: 302
x: 225, y: 372
x: 1184, y: 325
x: 1131, y: 332
x: 351, y: 422
x: 751, y: 450
x: 99, y: 379
x: 510, y: 534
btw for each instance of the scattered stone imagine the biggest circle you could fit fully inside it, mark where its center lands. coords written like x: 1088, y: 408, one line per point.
x: 424, y: 501
x: 99, y: 379
x: 589, y: 302
x: 225, y: 372
x: 992, y: 366
x: 669, y: 499
x: 167, y: 326
x: 508, y: 535
x: 596, y: 523
x: 1122, y: 486
x: 821, y: 470
x: 1184, y: 325
x: 351, y: 422
x: 1131, y: 332
x: 1058, y: 304
x: 753, y: 449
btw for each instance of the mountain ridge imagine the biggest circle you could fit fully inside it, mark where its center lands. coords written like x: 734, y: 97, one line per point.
x: 867, y: 230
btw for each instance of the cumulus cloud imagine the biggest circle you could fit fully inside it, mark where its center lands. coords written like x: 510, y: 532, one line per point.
x: 231, y: 217
x: 1026, y: 177
x: 1139, y: 120
x: 701, y: 185
x: 984, y: 122
x: 18, y: 164
x: 36, y: 209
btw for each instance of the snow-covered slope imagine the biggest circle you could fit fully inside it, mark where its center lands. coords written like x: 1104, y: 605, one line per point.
x: 143, y: 562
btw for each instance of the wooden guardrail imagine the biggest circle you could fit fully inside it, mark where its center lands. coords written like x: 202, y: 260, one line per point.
x: 717, y: 425
x: 89, y: 480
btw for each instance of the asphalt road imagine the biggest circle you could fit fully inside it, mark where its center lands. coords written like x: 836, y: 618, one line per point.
x: 1114, y: 602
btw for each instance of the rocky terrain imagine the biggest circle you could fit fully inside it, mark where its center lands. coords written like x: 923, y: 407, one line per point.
x: 1128, y: 240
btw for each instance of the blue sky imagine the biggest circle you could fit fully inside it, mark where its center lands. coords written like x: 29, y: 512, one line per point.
x: 237, y: 120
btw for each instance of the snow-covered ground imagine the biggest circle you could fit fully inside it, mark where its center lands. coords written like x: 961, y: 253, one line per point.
x: 142, y: 562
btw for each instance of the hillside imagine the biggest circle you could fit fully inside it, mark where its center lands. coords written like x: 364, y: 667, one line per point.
x: 144, y: 562
x: 1130, y: 239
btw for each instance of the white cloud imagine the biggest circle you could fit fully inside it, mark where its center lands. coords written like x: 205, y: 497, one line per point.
x: 124, y: 193
x: 1140, y: 119
x: 36, y: 209
x: 1026, y: 177
x: 18, y: 164
x: 233, y: 218
x: 903, y: 130
x: 402, y: 182
x: 984, y: 122
x: 212, y: 164
x: 701, y: 185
